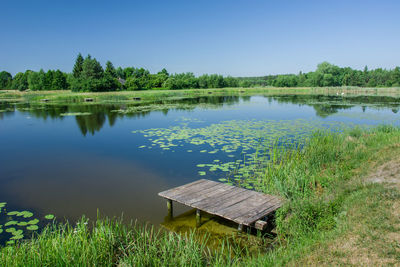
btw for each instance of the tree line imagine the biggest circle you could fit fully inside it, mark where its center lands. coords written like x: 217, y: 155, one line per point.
x: 89, y: 76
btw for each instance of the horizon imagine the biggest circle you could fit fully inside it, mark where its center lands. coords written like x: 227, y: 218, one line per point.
x: 235, y: 39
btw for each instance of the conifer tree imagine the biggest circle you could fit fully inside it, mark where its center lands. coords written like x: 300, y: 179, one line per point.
x: 110, y: 70
x: 77, y: 70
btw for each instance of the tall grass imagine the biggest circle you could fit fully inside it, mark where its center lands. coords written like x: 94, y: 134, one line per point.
x: 109, y: 242
x: 311, y: 179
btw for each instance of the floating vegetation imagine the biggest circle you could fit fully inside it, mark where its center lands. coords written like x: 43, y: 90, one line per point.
x: 241, y: 145
x: 76, y: 114
x: 32, y: 227
x: 49, y: 217
x: 15, y: 225
x: 164, y: 106
x: 189, y: 120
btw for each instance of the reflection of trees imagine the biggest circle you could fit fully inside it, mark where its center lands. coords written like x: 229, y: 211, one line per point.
x: 325, y: 110
x: 7, y: 109
x: 325, y: 105
x: 99, y: 113
x: 90, y: 123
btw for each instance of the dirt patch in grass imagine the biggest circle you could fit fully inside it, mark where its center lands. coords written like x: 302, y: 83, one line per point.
x: 388, y: 174
x: 370, y: 234
x: 373, y: 238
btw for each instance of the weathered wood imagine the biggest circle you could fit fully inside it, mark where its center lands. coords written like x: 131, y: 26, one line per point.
x: 198, y: 218
x: 242, y: 206
x: 261, y: 225
x: 253, y: 208
x: 249, y: 220
x: 170, y: 208
x: 193, y: 191
x: 171, y: 193
x: 203, y: 194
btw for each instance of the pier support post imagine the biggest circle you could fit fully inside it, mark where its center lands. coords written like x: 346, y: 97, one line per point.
x: 170, y: 209
x: 198, y: 218
x: 240, y: 227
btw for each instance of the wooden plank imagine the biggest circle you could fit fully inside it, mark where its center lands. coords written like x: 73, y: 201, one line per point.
x: 230, y: 202
x: 223, y: 198
x: 194, y: 191
x: 257, y: 212
x: 261, y: 225
x: 191, y: 197
x: 220, y: 209
x: 251, y: 219
x: 171, y: 193
x: 254, y: 208
x: 239, y: 211
x: 210, y: 193
x: 250, y: 198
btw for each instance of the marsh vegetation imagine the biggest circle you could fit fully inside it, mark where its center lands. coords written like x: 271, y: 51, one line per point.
x: 309, y: 148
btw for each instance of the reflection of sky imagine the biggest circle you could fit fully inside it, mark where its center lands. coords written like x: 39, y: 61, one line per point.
x: 48, y: 166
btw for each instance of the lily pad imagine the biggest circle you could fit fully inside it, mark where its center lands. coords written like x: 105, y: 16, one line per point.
x: 34, y: 221
x: 49, y: 216
x: 9, y: 223
x: 25, y: 214
x: 17, y: 237
x: 32, y: 227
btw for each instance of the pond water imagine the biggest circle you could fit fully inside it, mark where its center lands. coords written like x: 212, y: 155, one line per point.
x: 74, y: 159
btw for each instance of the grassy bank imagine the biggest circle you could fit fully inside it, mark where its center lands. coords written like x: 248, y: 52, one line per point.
x: 333, y: 201
x: 151, y: 95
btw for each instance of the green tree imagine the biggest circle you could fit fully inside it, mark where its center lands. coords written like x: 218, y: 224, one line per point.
x: 20, y: 81
x: 48, y: 80
x: 77, y: 70
x: 5, y: 80
x: 120, y: 73
x: 59, y: 81
x: 164, y: 71
x: 110, y: 70
x: 91, y: 69
x: 35, y: 80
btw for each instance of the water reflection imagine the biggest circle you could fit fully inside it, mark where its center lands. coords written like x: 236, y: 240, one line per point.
x: 91, y: 118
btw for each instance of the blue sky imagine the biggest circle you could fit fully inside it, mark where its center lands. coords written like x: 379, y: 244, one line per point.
x: 238, y: 38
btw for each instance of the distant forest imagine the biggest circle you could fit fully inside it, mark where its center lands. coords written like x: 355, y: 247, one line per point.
x: 89, y: 76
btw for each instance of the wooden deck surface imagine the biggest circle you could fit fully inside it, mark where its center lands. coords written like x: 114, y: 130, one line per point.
x: 240, y: 205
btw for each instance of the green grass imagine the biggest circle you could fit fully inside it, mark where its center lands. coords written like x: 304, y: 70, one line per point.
x: 325, y: 194
x: 151, y: 95
x: 107, y: 243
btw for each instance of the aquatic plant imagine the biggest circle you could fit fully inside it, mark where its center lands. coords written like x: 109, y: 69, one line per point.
x: 241, y: 147
x: 16, y: 225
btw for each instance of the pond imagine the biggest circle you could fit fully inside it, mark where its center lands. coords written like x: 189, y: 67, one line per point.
x: 72, y: 159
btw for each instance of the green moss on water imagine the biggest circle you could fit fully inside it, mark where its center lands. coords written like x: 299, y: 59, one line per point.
x: 219, y: 232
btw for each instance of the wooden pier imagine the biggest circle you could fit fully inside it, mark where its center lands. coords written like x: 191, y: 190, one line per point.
x: 243, y: 206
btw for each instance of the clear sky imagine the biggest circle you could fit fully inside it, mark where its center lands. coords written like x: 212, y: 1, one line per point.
x: 238, y: 38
